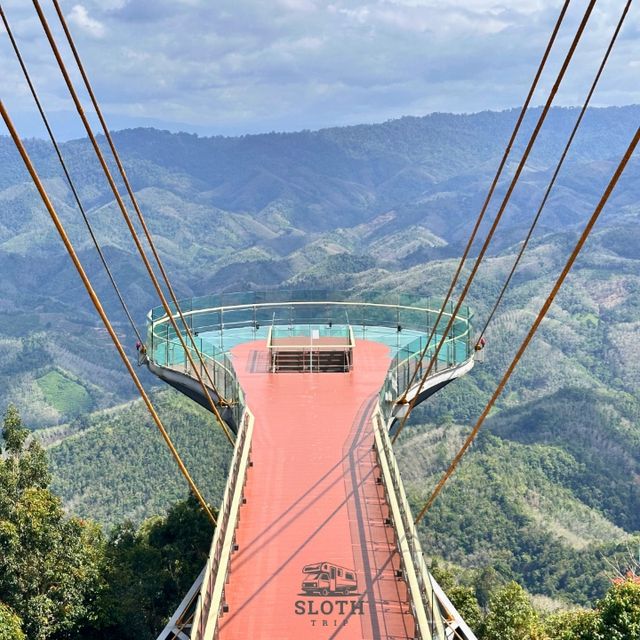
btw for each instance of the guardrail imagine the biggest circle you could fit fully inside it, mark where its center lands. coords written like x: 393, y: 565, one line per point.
x: 210, y: 602
x: 408, y: 360
x: 425, y: 608
x: 253, y: 310
x: 219, y: 314
x: 309, y: 348
x: 436, y: 618
x: 220, y: 368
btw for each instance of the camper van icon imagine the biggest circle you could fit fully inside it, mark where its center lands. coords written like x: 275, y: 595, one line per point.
x: 326, y: 579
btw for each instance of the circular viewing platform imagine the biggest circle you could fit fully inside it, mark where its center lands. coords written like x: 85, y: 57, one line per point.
x: 309, y: 330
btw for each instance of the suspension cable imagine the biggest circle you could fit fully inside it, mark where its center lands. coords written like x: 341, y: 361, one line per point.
x: 127, y: 217
x: 556, y: 172
x: 492, y: 188
x: 534, y: 327
x: 503, y: 206
x: 130, y: 191
x: 72, y: 186
x: 99, y: 308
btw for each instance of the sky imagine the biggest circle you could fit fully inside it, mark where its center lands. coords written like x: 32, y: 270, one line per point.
x: 232, y: 67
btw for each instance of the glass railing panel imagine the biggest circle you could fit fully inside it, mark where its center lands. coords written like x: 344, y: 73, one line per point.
x: 306, y: 331
x: 236, y: 318
x: 210, y: 318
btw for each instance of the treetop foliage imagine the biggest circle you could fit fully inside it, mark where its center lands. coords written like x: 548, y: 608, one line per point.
x: 62, y: 578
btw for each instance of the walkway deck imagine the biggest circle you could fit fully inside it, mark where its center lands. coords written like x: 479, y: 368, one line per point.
x: 312, y: 497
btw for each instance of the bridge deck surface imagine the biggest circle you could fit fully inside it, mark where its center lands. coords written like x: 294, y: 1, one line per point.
x: 311, y: 498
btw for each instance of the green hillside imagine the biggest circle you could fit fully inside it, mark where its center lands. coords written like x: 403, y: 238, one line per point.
x: 114, y: 465
x: 550, y: 490
x: 64, y: 394
x: 340, y: 207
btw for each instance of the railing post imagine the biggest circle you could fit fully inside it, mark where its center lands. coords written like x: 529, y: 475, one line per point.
x: 221, y: 328
x: 201, y: 360
x: 226, y: 382
x: 152, y: 352
x: 364, y: 322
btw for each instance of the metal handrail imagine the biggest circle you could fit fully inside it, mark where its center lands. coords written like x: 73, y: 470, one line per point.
x: 392, y: 388
x: 228, y: 368
x: 419, y: 581
x: 157, y: 323
x: 262, y: 305
x: 211, y: 599
x: 309, y: 346
x: 457, y: 346
x: 189, y: 311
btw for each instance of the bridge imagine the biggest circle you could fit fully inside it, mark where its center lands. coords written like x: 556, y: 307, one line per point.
x: 315, y: 536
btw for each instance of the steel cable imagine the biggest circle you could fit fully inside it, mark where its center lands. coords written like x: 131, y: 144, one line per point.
x: 503, y: 206
x: 556, y: 172
x: 63, y: 164
x: 126, y: 215
x: 99, y: 308
x: 534, y: 327
x: 131, y: 193
x: 492, y: 188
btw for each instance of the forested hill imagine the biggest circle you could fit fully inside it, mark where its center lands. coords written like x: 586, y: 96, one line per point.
x: 414, y: 168
x: 332, y: 207
x: 551, y: 488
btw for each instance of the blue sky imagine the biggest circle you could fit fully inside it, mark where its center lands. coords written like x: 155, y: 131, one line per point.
x: 247, y: 66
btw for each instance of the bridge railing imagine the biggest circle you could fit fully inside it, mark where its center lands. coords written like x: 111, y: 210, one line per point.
x: 456, y: 350
x: 218, y: 314
x: 424, y: 604
x: 228, y: 318
x: 435, y: 617
x: 211, y: 601
x: 165, y: 350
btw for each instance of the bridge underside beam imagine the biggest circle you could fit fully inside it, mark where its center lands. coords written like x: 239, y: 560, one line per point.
x: 191, y: 388
x: 432, y: 385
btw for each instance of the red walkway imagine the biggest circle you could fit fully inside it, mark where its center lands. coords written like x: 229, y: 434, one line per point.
x: 311, y: 498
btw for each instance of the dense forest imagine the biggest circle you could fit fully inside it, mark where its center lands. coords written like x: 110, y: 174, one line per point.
x: 547, y: 498
x: 118, y: 445
x: 64, y: 577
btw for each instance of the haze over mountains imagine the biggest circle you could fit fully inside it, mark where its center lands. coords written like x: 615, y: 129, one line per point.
x: 259, y: 209
x: 353, y: 205
x: 386, y: 207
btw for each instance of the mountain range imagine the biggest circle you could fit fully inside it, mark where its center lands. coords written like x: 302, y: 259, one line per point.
x: 551, y: 488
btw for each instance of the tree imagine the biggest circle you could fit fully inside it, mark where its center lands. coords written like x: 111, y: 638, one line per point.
x: 442, y: 575
x: 620, y: 611
x: 616, y: 617
x: 573, y: 625
x: 148, y: 571
x: 463, y: 597
x: 49, y: 569
x: 13, y: 433
x: 511, y: 616
x: 464, y: 600
x: 10, y: 624
x: 486, y: 583
x: 59, y: 578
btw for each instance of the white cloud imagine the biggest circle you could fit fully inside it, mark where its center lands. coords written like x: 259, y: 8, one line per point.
x: 298, y: 5
x: 80, y: 17
x: 235, y: 66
